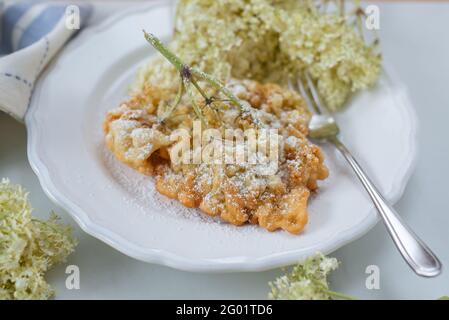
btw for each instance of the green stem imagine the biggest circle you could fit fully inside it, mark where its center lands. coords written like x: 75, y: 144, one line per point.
x: 333, y: 293
x: 177, y: 100
x: 217, y: 85
x: 181, y: 67
x: 196, y: 108
x: 196, y: 85
x: 247, y: 109
x: 342, y: 8
x: 159, y: 46
x: 340, y: 295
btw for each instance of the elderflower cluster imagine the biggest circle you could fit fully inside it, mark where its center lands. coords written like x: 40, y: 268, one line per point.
x: 270, y: 41
x: 28, y: 247
x: 306, y: 281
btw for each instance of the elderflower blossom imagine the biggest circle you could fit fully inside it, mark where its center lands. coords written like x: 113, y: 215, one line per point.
x: 306, y: 281
x: 28, y: 247
x: 269, y: 41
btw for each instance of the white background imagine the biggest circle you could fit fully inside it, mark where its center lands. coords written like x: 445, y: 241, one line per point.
x: 415, y: 41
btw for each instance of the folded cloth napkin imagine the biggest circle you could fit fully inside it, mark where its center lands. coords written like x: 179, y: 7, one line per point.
x: 32, y: 32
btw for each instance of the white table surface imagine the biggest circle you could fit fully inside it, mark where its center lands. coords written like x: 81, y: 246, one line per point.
x: 415, y: 41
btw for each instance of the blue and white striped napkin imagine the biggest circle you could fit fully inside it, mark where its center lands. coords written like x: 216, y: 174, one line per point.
x: 32, y: 32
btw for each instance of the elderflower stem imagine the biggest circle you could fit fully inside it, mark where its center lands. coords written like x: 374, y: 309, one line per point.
x: 188, y: 72
x: 159, y: 46
x: 217, y: 85
x: 197, y: 86
x: 195, y: 107
x: 176, y: 102
x: 247, y: 109
x: 342, y: 7
x: 340, y: 295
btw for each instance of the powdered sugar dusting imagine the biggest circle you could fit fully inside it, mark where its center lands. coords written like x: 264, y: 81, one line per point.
x: 142, y: 194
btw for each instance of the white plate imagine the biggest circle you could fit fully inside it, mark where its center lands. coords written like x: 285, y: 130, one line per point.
x: 120, y: 206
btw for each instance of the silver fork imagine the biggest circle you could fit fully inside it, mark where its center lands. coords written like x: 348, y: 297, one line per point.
x: 323, y: 127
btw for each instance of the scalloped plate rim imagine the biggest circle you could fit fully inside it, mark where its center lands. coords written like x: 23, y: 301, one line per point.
x: 174, y: 260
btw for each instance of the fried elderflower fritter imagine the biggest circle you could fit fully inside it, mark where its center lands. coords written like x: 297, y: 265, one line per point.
x: 238, y: 192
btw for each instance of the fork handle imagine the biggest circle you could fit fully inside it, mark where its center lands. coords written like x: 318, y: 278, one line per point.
x: 415, y: 252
